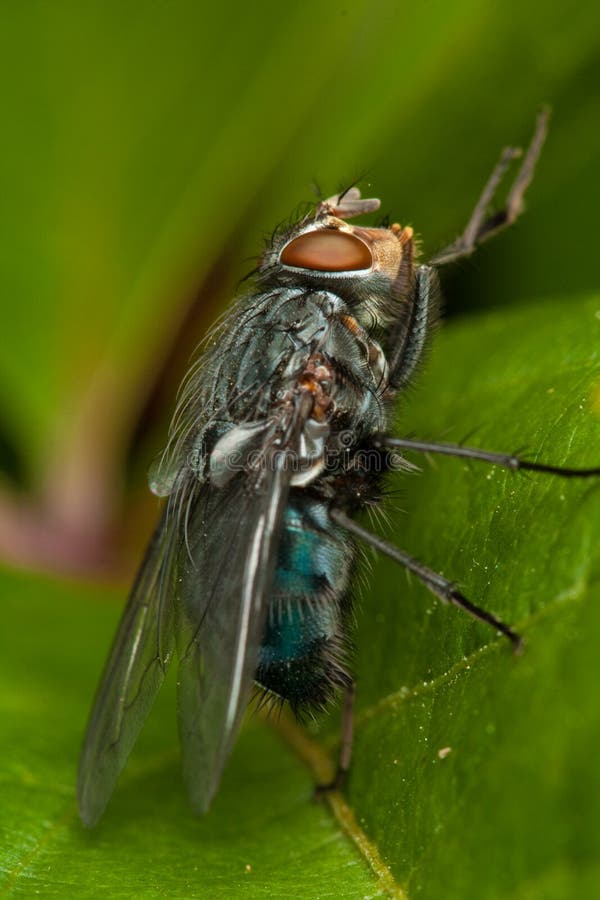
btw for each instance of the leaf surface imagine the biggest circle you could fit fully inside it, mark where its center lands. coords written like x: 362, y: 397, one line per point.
x: 511, y: 810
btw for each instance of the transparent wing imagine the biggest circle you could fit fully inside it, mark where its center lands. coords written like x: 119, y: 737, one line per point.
x: 133, y: 674
x: 232, y: 541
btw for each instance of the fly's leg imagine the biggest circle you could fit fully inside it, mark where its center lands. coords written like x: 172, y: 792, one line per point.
x: 445, y: 590
x: 483, y: 226
x: 346, y: 743
x: 347, y: 735
x: 506, y: 460
x: 409, y: 337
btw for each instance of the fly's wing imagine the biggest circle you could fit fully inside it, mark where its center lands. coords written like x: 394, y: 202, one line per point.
x: 134, y: 672
x: 233, y: 535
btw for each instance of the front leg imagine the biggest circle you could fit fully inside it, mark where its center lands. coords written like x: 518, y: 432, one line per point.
x: 409, y: 337
x: 483, y: 226
x: 506, y: 460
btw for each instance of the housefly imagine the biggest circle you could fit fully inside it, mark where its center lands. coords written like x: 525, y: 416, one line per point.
x: 279, y: 439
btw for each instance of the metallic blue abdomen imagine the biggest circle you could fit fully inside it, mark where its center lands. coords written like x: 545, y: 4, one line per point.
x: 301, y: 657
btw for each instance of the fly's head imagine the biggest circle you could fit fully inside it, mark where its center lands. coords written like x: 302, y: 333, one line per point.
x: 369, y: 268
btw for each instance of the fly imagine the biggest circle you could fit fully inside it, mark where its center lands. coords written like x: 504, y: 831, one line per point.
x: 279, y: 439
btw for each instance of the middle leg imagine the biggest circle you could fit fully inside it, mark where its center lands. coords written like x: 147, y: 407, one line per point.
x: 444, y: 589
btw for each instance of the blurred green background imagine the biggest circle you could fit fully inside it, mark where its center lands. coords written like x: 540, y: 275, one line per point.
x: 147, y: 149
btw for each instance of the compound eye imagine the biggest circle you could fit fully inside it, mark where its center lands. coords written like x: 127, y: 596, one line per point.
x: 327, y: 251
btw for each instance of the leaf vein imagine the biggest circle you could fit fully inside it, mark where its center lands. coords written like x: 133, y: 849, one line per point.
x: 317, y: 760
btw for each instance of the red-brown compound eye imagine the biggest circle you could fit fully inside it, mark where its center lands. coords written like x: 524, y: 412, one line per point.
x: 327, y: 251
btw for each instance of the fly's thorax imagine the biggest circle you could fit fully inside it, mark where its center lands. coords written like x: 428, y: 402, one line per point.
x: 371, y: 269
x: 327, y: 292
x: 288, y: 351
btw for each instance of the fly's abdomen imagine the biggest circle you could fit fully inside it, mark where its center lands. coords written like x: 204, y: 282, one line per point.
x: 302, y: 654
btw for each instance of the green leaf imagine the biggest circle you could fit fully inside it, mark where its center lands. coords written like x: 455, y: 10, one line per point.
x: 512, y: 810
x: 263, y: 837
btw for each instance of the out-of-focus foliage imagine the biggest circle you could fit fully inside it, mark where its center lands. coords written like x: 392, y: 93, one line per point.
x: 146, y: 144
x: 511, y: 810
